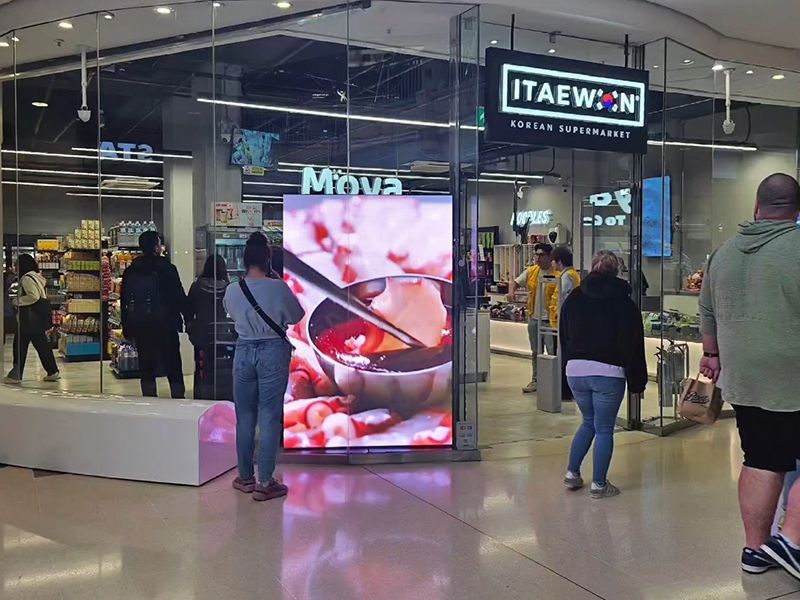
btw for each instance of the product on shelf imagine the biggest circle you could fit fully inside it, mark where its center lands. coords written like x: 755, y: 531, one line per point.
x: 48, y: 245
x: 695, y: 281
x: 122, y: 259
x: 80, y: 282
x: 85, y: 237
x: 503, y: 311
x: 78, y: 324
x: 48, y: 261
x: 127, y: 232
x: 124, y: 358
x: 84, y: 305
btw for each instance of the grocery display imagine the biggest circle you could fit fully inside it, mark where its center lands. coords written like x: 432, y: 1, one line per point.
x: 673, y: 325
x: 85, y: 237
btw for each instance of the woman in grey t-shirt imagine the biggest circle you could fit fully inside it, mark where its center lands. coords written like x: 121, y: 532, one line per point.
x: 260, y: 368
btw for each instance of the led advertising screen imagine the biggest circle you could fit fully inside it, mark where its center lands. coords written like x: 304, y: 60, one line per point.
x: 351, y: 383
x: 253, y: 148
x: 656, y: 217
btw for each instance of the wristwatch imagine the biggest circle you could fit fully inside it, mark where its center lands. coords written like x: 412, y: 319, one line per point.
x: 711, y: 354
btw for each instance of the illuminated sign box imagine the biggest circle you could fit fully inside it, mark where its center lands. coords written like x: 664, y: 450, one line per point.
x: 550, y: 101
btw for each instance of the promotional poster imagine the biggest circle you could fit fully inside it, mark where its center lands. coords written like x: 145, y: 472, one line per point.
x: 352, y: 383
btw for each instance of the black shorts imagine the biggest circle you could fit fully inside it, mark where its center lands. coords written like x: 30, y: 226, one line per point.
x: 770, y: 440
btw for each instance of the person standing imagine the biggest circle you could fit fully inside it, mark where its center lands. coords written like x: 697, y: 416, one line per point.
x: 206, y: 309
x: 153, y: 309
x: 569, y: 279
x: 530, y: 278
x: 261, y: 307
x: 602, y: 343
x: 35, y: 319
x: 750, y: 323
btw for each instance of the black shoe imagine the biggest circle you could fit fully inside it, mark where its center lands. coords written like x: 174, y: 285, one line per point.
x: 782, y: 553
x: 756, y: 562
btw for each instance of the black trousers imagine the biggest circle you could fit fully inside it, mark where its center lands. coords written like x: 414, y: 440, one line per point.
x: 155, y: 349
x: 42, y: 344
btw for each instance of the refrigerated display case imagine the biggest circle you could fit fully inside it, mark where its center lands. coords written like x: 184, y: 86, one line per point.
x: 229, y: 243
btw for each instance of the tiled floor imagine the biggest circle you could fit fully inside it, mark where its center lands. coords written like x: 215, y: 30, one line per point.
x: 500, y: 529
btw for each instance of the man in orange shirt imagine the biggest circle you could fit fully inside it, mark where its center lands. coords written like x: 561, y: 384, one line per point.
x: 530, y: 277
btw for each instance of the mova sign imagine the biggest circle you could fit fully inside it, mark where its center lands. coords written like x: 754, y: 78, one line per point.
x: 126, y: 150
x: 621, y: 197
x: 551, y: 101
x: 327, y: 181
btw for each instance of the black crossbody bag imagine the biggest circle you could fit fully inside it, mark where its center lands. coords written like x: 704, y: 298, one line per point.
x: 264, y: 316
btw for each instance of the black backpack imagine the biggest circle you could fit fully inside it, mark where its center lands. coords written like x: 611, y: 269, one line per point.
x: 143, y: 304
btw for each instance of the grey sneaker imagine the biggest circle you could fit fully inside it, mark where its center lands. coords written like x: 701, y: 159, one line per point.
x: 573, y: 482
x: 12, y: 377
x: 607, y: 491
x: 530, y: 388
x: 53, y: 377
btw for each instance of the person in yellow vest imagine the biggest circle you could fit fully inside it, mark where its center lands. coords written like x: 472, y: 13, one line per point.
x: 530, y: 277
x: 570, y: 279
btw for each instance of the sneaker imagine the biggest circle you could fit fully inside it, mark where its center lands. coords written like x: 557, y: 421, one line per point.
x: 778, y: 549
x: 606, y: 491
x: 274, y: 489
x: 54, y: 377
x: 530, y: 388
x: 573, y: 481
x: 244, y: 485
x: 756, y: 561
x: 12, y: 377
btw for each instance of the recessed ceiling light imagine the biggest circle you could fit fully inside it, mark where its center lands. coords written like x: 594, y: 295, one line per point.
x: 778, y: 76
x: 688, y: 61
x: 39, y: 104
x: 493, y: 42
x: 656, y: 67
x: 164, y: 10
x: 749, y: 72
x: 4, y: 44
x: 108, y: 16
x: 217, y: 4
x: 718, y: 67
x: 283, y: 4
x: 65, y: 25
x: 14, y: 38
x: 551, y: 51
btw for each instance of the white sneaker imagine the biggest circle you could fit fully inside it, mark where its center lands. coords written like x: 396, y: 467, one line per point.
x: 54, y: 377
x: 609, y: 490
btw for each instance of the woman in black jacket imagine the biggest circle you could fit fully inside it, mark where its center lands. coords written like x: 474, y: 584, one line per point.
x: 602, y: 341
x: 206, y: 309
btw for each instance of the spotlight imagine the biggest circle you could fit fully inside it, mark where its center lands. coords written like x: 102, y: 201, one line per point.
x: 164, y: 10
x: 65, y: 25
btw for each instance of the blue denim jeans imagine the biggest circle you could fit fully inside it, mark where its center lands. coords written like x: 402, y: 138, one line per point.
x: 260, y: 376
x: 598, y: 399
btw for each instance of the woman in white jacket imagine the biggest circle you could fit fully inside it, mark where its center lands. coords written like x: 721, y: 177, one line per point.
x: 32, y: 289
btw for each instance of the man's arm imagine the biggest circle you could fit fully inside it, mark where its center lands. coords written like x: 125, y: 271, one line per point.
x: 709, y: 364
x: 515, y: 284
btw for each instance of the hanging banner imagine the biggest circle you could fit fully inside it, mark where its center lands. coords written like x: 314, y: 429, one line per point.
x: 549, y: 101
x: 237, y: 214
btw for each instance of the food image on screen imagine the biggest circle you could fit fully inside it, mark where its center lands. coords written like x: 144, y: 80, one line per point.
x: 351, y: 384
x: 253, y: 148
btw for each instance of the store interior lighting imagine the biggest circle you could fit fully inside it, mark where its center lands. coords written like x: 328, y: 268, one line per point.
x: 710, y: 146
x: 67, y: 186
x: 82, y: 157
x: 156, y: 154
x: 80, y: 173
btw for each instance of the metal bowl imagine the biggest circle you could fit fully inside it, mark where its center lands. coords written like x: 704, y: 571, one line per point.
x: 404, y: 392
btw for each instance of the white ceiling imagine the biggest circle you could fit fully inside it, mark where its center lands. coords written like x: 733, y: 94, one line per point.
x: 765, y: 21
x: 403, y: 27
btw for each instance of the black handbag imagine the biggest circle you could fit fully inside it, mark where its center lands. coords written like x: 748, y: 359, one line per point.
x: 36, y: 317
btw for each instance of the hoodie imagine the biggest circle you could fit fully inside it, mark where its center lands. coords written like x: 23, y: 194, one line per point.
x: 600, y: 322
x: 750, y: 301
x: 206, y: 308
x: 33, y: 286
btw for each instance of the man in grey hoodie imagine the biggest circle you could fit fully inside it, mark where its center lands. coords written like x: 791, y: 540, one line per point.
x: 750, y: 321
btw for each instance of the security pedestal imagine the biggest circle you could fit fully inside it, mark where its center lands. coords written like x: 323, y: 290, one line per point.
x: 548, y: 374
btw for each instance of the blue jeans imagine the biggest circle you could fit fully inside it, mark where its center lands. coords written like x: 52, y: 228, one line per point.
x: 599, y: 399
x: 260, y: 376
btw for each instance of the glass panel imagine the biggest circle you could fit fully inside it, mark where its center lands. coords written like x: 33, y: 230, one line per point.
x: 56, y: 202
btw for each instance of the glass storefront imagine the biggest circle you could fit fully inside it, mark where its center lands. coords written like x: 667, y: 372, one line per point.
x: 208, y: 121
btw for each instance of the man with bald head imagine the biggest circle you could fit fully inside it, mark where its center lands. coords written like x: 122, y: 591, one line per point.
x: 750, y: 321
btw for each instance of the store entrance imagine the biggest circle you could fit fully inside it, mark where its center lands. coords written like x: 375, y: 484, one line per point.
x: 575, y: 199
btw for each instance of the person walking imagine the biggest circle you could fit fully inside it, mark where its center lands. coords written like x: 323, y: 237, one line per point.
x: 35, y: 319
x: 602, y: 342
x: 262, y: 308
x: 205, y: 311
x: 153, y: 309
x: 750, y: 324
x: 530, y: 278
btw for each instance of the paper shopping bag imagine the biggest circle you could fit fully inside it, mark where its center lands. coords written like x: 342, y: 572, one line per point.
x: 701, y: 401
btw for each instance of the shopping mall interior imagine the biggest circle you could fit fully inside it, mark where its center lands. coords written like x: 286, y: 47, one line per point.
x: 353, y: 135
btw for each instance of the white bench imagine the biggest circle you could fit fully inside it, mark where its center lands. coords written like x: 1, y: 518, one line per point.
x: 185, y: 442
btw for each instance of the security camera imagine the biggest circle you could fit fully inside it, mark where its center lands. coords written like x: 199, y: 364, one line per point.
x: 728, y: 126
x: 84, y: 114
